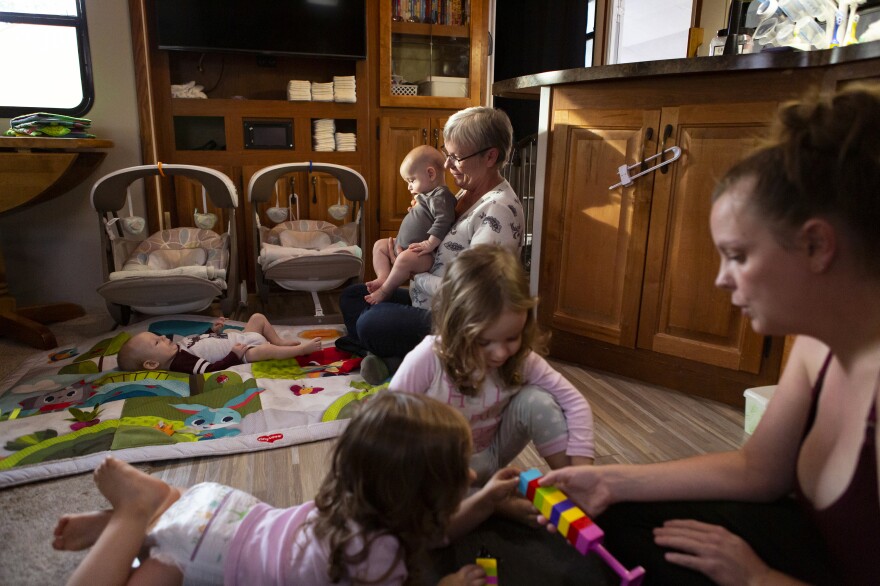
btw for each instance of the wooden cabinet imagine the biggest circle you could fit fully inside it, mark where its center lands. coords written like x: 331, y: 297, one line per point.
x: 594, y: 240
x: 246, y: 123
x: 626, y: 276
x: 397, y: 136
x: 634, y: 266
x: 437, y: 50
x: 448, y: 51
x: 683, y: 313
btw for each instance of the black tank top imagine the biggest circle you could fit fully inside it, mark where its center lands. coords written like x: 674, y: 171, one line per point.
x: 851, y: 525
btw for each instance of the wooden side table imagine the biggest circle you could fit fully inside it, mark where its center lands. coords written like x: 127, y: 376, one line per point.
x: 34, y: 170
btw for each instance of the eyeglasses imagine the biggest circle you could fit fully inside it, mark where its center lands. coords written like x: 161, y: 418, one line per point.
x: 458, y: 159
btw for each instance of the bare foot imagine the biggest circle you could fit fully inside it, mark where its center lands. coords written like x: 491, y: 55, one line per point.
x: 374, y: 284
x: 312, y: 345
x: 133, y: 492
x: 78, y: 531
x: 377, y: 296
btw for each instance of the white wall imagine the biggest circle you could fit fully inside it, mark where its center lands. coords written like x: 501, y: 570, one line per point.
x: 651, y: 30
x: 53, y: 250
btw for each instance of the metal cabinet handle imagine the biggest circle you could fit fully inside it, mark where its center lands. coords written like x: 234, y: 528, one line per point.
x: 424, y: 136
x: 436, y: 138
x: 649, y: 134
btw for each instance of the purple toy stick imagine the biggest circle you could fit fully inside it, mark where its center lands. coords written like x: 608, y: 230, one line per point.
x: 627, y: 577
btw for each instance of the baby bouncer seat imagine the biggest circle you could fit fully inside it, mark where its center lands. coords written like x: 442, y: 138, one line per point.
x: 175, y: 270
x: 309, y: 255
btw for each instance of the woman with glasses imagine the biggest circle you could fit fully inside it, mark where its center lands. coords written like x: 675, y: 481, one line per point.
x: 478, y: 142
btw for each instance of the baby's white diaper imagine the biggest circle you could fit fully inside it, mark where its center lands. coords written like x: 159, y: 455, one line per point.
x: 194, y: 533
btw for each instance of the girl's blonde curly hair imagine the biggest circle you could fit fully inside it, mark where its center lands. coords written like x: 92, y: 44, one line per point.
x: 479, y: 285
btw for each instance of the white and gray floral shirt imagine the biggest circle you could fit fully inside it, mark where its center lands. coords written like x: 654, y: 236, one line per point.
x: 496, y: 218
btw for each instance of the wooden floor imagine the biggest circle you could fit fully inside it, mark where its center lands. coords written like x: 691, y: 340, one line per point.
x: 634, y: 423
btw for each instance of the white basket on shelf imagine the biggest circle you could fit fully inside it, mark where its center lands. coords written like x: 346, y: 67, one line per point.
x: 404, y: 89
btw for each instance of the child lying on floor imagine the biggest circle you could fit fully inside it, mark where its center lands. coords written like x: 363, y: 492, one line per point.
x: 397, y: 478
x: 212, y: 351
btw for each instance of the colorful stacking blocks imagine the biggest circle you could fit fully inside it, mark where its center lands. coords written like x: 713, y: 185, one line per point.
x: 489, y: 565
x: 572, y: 523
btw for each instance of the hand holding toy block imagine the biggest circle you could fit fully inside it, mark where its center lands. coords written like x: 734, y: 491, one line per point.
x: 489, y: 565
x: 573, y: 524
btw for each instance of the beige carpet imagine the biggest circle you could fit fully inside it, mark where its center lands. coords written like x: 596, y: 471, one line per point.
x: 29, y: 512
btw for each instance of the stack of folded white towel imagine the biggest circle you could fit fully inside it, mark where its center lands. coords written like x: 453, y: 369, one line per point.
x: 346, y: 141
x: 322, y: 92
x: 323, y: 133
x: 299, y: 90
x: 344, y: 88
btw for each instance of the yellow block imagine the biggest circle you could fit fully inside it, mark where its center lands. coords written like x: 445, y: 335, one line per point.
x: 489, y: 565
x: 568, y: 517
x: 546, y: 497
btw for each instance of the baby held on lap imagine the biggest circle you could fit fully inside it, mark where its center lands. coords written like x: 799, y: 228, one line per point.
x: 395, y: 260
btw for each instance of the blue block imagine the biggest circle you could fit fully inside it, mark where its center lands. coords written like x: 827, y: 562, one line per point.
x: 558, y: 509
x: 526, y: 477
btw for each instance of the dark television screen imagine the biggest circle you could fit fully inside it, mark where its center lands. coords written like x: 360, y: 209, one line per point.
x: 328, y: 28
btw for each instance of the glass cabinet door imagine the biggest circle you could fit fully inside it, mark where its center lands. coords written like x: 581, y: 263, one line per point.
x: 432, y: 53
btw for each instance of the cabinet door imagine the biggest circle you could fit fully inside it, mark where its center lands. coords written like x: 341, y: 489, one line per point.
x: 398, y: 135
x: 443, y: 44
x: 594, y: 237
x: 683, y: 313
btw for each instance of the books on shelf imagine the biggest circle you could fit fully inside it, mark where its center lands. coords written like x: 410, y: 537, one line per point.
x: 442, y: 12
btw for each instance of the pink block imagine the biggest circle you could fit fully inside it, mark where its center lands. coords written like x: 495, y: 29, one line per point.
x: 587, y: 537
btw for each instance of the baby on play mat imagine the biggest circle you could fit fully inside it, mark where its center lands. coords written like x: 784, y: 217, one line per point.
x: 211, y: 351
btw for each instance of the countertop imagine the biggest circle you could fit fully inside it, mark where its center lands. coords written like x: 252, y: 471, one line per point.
x: 528, y: 86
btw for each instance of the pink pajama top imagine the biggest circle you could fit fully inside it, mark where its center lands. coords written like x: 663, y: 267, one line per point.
x: 269, y: 548
x: 421, y: 372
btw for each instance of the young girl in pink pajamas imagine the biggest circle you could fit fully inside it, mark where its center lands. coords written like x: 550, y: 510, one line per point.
x: 483, y: 360
x: 395, y: 486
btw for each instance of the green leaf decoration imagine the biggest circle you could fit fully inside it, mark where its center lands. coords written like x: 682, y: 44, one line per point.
x: 80, y: 415
x: 105, y: 347
x: 87, y: 367
x: 30, y: 439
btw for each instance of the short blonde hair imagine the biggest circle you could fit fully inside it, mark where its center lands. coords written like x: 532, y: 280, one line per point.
x: 424, y: 156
